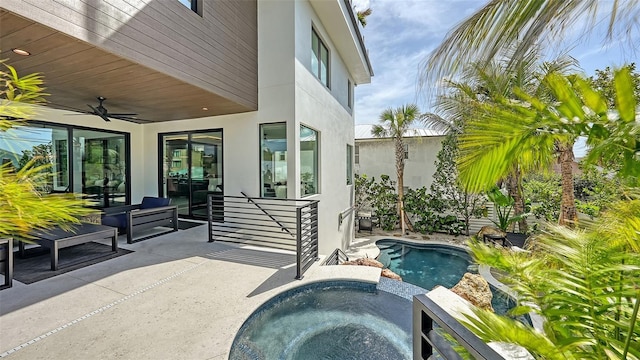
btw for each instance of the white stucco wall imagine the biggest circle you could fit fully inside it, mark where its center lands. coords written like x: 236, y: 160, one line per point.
x: 377, y: 157
x: 325, y: 110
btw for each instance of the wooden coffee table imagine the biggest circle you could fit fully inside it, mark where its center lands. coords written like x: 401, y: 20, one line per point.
x: 57, y: 238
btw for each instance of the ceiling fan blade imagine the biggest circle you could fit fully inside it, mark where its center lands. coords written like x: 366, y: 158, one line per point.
x: 120, y: 114
x: 96, y: 112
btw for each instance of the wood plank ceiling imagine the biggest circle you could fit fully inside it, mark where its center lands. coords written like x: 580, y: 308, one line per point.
x: 76, y: 72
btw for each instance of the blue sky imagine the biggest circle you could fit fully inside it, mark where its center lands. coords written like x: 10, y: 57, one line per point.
x: 401, y: 33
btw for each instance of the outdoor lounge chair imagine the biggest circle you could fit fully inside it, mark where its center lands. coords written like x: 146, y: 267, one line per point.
x: 150, y: 213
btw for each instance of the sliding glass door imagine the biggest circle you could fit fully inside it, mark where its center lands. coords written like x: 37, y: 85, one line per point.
x: 191, y: 169
x: 85, y: 161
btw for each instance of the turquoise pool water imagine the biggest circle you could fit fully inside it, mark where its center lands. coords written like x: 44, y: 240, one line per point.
x: 428, y: 265
x: 329, y: 320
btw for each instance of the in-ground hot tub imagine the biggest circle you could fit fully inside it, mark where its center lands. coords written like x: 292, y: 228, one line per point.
x: 328, y: 320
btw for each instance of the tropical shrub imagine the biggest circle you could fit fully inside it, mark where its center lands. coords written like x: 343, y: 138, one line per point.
x: 384, y: 201
x: 447, y: 194
x: 425, y: 209
x: 583, y: 282
x: 543, y: 191
x: 362, y: 192
x: 504, y: 205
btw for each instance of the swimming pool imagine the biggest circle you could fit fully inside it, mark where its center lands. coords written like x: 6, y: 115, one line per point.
x: 424, y: 265
x: 429, y: 265
x: 328, y: 320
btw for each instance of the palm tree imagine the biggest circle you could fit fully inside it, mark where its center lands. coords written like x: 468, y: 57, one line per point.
x: 492, y: 30
x: 362, y: 16
x: 529, y: 129
x: 396, y: 124
x: 495, y: 83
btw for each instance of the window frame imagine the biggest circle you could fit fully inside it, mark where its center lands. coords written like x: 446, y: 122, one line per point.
x: 283, y: 156
x: 318, y: 71
x: 316, y: 164
x: 349, y: 164
x: 349, y: 94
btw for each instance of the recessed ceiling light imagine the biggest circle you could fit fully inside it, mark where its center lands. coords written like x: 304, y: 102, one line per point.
x: 21, y: 52
x: 205, y: 108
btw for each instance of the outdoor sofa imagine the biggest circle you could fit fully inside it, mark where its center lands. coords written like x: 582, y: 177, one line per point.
x: 152, y: 212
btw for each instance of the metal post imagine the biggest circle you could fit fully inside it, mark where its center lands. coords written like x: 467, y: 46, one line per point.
x: 299, y: 243
x: 210, y: 216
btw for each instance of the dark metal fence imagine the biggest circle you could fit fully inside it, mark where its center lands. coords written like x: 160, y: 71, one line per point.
x: 426, y: 339
x: 278, y: 223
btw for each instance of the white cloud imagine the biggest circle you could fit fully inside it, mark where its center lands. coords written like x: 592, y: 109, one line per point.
x: 400, y: 35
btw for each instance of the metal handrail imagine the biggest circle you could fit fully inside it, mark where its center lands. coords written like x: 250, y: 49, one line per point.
x: 282, y: 227
x: 426, y: 339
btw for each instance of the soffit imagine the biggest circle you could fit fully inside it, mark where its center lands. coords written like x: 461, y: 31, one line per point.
x: 76, y: 72
x: 345, y: 37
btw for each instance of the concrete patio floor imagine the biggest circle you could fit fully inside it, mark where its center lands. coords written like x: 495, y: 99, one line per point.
x: 175, y: 297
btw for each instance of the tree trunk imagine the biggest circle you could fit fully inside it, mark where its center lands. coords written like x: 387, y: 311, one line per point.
x: 568, y: 212
x: 404, y: 218
x: 514, y: 186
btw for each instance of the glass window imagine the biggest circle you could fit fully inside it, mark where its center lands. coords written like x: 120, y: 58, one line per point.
x: 357, y: 154
x: 273, y: 160
x: 308, y: 161
x: 89, y: 162
x: 319, y: 58
x: 406, y: 151
x: 191, y: 169
x: 349, y: 164
x: 40, y: 145
x: 100, y: 167
x: 191, y: 4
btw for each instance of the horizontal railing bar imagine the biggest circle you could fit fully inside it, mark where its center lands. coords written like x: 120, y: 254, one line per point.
x: 227, y: 220
x: 259, y: 243
x: 299, y: 202
x: 283, y: 241
x: 254, y: 232
x: 254, y: 211
x: 284, y: 235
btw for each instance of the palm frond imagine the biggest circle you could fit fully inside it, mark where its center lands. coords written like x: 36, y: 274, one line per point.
x: 494, y: 28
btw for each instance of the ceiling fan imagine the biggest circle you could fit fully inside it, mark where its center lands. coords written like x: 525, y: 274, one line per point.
x: 102, y: 112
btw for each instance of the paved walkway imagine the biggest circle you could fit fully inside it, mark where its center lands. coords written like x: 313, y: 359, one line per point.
x: 175, y: 297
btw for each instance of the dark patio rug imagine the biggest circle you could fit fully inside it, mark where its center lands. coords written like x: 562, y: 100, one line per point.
x: 184, y: 225
x: 36, y: 265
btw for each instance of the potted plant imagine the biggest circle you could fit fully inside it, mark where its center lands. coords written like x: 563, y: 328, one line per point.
x: 504, y: 206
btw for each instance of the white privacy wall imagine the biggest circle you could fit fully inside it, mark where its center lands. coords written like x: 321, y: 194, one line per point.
x: 377, y: 157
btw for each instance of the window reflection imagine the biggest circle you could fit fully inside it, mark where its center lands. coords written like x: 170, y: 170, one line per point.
x: 308, y: 161
x: 90, y: 162
x: 273, y: 160
x: 43, y: 146
x: 100, y: 167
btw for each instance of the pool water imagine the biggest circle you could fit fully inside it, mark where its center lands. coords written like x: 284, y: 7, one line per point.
x: 424, y: 265
x: 330, y: 320
x: 429, y: 265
